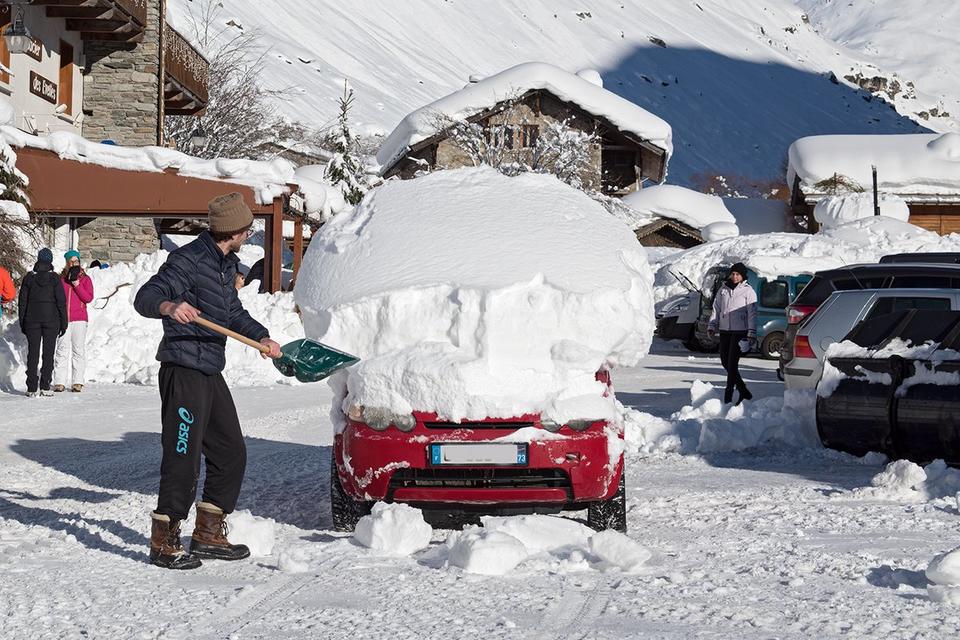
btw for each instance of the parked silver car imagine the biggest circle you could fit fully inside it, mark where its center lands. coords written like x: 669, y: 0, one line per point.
x: 840, y: 313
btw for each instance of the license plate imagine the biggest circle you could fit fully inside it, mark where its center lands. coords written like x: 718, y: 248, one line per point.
x: 479, y: 453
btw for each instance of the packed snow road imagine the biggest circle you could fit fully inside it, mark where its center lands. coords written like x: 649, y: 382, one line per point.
x: 764, y: 543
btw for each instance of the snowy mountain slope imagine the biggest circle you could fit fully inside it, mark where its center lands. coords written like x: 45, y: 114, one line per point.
x: 914, y: 41
x: 737, y: 80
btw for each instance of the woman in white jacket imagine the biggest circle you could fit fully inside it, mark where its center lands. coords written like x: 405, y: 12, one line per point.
x: 734, y: 316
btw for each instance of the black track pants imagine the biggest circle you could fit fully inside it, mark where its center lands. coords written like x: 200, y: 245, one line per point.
x: 730, y: 359
x: 41, y: 339
x: 198, y: 416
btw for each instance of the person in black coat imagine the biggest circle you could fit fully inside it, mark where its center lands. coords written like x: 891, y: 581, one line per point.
x: 197, y: 413
x: 43, y: 318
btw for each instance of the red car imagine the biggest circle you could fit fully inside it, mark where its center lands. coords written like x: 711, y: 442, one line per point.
x: 476, y: 466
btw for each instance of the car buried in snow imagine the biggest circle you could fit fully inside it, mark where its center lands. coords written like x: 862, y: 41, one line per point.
x: 494, y: 465
x: 485, y: 339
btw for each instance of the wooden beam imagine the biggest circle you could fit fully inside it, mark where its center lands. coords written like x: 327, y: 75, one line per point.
x: 297, y: 247
x: 274, y: 277
x: 89, y: 13
x: 99, y: 26
x: 121, y: 36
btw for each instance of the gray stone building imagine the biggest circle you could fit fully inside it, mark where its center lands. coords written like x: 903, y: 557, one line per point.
x: 109, y: 70
x: 517, y: 106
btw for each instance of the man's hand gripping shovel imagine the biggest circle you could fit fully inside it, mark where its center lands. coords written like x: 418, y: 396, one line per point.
x: 305, y: 359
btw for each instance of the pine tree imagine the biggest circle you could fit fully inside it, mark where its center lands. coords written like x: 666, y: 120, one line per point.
x: 345, y: 169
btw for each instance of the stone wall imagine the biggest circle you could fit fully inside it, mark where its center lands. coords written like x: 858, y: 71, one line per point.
x: 117, y: 240
x: 121, y: 102
x: 121, y: 87
x: 538, y: 109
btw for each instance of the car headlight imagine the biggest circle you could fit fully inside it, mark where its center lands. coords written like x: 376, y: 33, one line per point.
x: 550, y: 425
x: 576, y: 425
x: 379, y: 419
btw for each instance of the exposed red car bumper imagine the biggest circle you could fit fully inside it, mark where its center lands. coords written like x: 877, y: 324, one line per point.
x: 395, y: 466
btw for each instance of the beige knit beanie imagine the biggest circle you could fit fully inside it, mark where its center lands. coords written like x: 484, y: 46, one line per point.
x: 229, y: 214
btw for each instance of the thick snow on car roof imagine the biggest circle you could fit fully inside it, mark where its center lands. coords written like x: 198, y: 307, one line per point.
x: 513, y: 82
x: 473, y: 295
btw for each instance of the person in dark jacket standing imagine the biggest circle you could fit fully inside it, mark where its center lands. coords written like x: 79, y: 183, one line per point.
x: 735, y: 317
x: 197, y: 410
x: 43, y: 318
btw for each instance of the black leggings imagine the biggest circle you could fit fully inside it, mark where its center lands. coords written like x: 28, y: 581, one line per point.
x: 730, y: 359
x: 198, y: 416
x: 41, y: 340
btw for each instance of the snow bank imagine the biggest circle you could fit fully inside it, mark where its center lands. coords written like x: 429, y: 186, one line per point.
x: 833, y: 211
x: 486, y: 552
x: 396, y: 529
x: 472, y: 294
x: 122, y: 345
x: 915, y: 165
x: 617, y: 550
x: 943, y: 572
x: 700, y: 211
x: 774, y: 254
x: 706, y: 425
x: 257, y: 533
x: 501, y: 545
x: 479, y: 96
x: 907, y: 481
x: 318, y: 196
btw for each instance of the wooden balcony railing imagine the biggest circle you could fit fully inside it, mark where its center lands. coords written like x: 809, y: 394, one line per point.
x: 136, y: 8
x: 187, y: 74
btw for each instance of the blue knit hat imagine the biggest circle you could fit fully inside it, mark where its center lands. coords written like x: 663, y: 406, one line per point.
x: 73, y: 253
x: 45, y: 255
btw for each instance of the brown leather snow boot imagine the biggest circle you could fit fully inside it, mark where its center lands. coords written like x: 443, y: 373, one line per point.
x: 165, y: 548
x: 210, y: 536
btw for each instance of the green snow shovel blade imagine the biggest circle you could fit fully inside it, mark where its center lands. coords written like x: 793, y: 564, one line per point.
x: 310, y: 361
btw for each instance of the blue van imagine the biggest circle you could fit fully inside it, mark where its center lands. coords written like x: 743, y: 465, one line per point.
x: 773, y: 298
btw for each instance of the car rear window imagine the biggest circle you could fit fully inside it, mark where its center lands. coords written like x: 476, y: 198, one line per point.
x: 921, y: 282
x: 816, y: 291
x: 864, y: 282
x: 774, y: 295
x: 893, y: 304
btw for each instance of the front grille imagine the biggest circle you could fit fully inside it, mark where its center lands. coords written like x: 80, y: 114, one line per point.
x: 512, y: 426
x: 481, y: 478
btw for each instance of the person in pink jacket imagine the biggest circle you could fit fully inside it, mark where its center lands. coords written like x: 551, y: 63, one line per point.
x: 71, y: 348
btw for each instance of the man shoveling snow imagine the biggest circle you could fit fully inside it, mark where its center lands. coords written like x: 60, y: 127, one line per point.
x: 197, y: 410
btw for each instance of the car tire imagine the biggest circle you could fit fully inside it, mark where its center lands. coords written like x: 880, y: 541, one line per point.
x: 771, y: 345
x: 693, y: 343
x: 612, y: 513
x: 345, y: 511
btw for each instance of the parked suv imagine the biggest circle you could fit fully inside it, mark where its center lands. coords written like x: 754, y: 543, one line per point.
x: 946, y: 257
x: 862, y: 276
x: 494, y: 465
x: 844, y: 310
x: 773, y: 297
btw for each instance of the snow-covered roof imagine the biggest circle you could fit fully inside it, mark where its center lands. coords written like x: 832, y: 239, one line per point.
x: 510, y: 83
x: 917, y: 166
x: 701, y: 211
x: 269, y: 179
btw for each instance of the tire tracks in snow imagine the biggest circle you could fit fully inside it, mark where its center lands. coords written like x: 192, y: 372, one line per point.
x: 571, y: 616
x: 253, y: 606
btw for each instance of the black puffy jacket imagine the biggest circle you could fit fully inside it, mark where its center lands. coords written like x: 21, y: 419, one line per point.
x: 42, y: 301
x: 201, y: 275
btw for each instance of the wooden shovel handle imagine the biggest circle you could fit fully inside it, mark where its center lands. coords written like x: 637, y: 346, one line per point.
x: 213, y: 326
